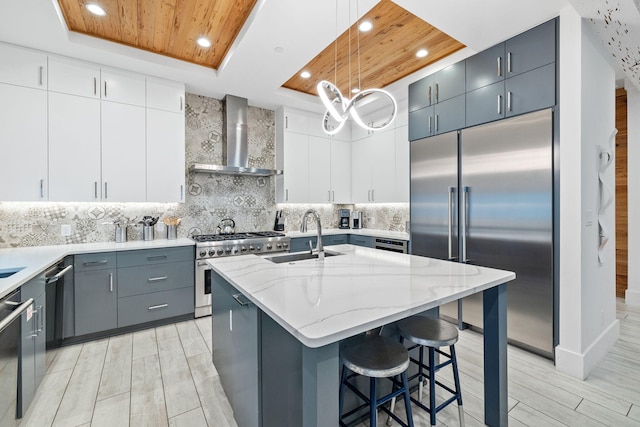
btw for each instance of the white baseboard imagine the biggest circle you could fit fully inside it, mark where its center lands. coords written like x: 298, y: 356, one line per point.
x: 580, y: 365
x: 632, y: 297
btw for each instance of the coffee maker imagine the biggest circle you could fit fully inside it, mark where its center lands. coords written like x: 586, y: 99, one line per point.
x: 356, y: 216
x: 344, y: 215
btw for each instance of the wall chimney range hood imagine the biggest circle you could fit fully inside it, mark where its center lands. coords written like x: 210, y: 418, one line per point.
x: 235, y: 143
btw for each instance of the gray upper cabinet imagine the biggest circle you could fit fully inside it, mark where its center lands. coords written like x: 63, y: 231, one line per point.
x: 420, y: 94
x: 449, y: 115
x: 485, y: 104
x: 485, y: 68
x: 531, y: 49
x: 449, y: 82
x: 531, y: 91
x: 420, y: 123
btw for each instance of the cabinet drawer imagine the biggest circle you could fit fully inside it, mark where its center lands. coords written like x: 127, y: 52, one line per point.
x: 154, y: 278
x: 158, y: 305
x: 90, y: 262
x: 155, y: 256
x: 361, y: 240
x: 341, y: 239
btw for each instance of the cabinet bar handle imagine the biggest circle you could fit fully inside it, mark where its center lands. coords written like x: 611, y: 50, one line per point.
x: 509, y: 101
x: 286, y: 198
x: 182, y: 192
x: 499, y: 104
x: 40, y: 78
x: 42, y: 188
x: 239, y: 300
x: 40, y: 319
x: 180, y: 103
x: 429, y: 95
x: 368, y: 195
x: 509, y: 62
x: 429, y: 125
x: 95, y: 188
x: 157, y: 279
x: 333, y: 195
x: 105, y: 88
x: 106, y: 194
x: 156, y: 257
x: 437, y: 95
x: 436, y: 123
x: 155, y: 307
x: 499, y: 66
x: 91, y: 263
x: 286, y: 122
x: 373, y: 195
x: 15, y: 314
x: 95, y: 86
x: 110, y: 282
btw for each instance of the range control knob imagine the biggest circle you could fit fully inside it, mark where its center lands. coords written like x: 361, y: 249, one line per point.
x: 203, y: 253
x: 269, y: 247
x: 279, y: 245
x: 212, y: 252
x: 285, y: 245
x: 258, y: 248
x: 251, y: 248
x: 235, y: 250
x: 243, y: 248
x: 219, y: 251
x: 227, y: 250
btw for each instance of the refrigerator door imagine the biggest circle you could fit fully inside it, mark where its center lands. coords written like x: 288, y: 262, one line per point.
x: 507, y: 219
x: 434, y: 182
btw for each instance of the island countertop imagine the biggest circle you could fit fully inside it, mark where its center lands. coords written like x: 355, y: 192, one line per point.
x: 322, y: 302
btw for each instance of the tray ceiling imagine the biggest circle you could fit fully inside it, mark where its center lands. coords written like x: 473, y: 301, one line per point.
x: 165, y: 27
x: 387, y: 52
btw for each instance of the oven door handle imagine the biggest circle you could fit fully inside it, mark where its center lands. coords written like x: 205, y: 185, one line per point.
x: 61, y: 273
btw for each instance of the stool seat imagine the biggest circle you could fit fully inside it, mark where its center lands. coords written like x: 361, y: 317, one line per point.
x: 428, y: 332
x: 374, y: 356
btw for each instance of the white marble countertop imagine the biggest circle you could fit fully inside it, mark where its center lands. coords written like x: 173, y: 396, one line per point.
x: 321, y: 302
x: 37, y: 259
x: 371, y: 232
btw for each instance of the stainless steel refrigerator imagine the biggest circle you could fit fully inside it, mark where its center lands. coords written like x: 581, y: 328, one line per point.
x: 484, y: 196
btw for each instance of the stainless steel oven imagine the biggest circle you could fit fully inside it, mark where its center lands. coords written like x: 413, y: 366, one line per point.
x: 209, y: 246
x: 392, y: 245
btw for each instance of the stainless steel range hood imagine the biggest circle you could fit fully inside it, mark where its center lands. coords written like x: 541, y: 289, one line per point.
x: 235, y: 143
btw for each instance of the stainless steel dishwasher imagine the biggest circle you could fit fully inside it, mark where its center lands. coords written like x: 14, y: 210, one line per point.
x: 392, y: 245
x: 11, y: 309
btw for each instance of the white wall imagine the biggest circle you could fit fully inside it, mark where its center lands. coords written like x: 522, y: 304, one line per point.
x: 632, y: 295
x: 587, y: 319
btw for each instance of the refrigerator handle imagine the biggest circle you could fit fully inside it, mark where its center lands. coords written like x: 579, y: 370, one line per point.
x: 452, y: 192
x: 463, y: 230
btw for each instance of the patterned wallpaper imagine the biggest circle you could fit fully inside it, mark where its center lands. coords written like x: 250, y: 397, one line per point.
x: 209, y: 199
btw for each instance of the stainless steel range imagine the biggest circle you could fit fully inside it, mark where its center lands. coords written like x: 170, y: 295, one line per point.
x: 222, y: 245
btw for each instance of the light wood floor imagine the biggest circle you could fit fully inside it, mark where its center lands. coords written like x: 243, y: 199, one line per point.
x: 164, y: 376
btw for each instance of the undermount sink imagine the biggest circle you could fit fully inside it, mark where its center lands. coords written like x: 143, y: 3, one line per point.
x: 8, y: 272
x: 299, y: 256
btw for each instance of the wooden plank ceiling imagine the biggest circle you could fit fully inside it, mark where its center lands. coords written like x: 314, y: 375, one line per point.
x: 165, y: 27
x: 387, y: 52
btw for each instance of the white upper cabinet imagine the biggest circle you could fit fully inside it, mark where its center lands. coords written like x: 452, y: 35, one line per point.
x: 23, y: 138
x: 165, y: 95
x: 23, y: 67
x: 295, y: 179
x: 296, y: 121
x: 165, y: 156
x: 319, y: 168
x: 124, y: 175
x: 340, y: 171
x: 74, y: 148
x: 74, y: 77
x: 122, y: 86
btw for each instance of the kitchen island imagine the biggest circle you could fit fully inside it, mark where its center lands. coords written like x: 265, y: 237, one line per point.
x: 282, y: 365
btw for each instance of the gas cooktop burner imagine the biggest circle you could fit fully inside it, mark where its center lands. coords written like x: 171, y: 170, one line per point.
x: 218, y: 245
x: 237, y: 236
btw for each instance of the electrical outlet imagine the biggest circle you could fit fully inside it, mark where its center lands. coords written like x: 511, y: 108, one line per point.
x: 372, y: 220
x: 65, y: 230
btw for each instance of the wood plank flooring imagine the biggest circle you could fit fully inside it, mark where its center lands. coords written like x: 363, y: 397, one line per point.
x: 164, y: 377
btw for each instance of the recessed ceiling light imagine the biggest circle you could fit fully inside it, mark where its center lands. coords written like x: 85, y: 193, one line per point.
x: 305, y: 74
x: 95, y: 9
x: 203, y: 42
x: 365, y: 26
x: 278, y: 49
x: 422, y: 53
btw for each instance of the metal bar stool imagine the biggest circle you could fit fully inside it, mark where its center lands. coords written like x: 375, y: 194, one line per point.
x: 375, y: 356
x: 432, y: 334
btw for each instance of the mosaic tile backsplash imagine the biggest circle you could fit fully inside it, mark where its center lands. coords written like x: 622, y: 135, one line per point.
x: 249, y: 201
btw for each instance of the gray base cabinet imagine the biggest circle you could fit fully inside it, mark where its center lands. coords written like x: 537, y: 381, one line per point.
x: 32, y: 361
x: 301, y: 244
x: 95, y: 293
x: 361, y: 241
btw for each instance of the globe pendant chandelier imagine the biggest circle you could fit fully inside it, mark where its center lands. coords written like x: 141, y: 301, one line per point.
x: 340, y: 108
